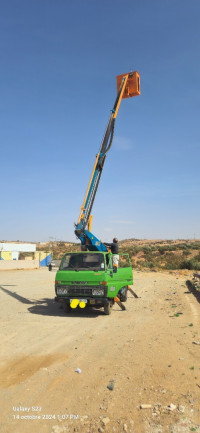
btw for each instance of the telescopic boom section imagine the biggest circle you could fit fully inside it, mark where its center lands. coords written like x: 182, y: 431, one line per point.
x: 128, y: 85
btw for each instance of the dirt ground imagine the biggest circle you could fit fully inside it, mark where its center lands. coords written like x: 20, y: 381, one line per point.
x: 149, y: 354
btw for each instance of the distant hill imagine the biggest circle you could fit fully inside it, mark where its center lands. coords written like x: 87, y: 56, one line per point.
x: 154, y: 254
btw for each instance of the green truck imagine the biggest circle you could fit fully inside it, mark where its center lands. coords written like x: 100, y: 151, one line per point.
x: 86, y: 279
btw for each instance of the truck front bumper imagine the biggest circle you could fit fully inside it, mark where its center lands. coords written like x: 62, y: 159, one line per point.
x: 90, y: 301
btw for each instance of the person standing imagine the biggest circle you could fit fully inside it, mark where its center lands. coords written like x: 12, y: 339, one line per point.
x: 114, y: 250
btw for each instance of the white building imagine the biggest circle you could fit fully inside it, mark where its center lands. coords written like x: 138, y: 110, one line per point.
x: 10, y: 251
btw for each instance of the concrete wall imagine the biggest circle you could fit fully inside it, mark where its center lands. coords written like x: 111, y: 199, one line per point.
x: 5, y: 255
x: 19, y: 264
x: 43, y: 257
x: 15, y: 255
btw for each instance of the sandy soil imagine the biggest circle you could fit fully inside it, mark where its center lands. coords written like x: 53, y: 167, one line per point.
x: 150, y: 352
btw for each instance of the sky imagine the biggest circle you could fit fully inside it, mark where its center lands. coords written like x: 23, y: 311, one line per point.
x: 58, y: 65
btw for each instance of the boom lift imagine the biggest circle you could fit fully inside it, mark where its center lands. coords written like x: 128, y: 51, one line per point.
x: 128, y: 85
x: 88, y: 278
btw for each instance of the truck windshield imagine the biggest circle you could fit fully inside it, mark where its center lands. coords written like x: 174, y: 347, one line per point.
x: 82, y: 261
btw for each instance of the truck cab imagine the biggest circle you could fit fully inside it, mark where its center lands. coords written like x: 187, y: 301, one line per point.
x: 86, y: 278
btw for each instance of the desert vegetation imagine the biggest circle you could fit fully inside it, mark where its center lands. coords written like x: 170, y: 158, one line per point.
x: 163, y: 255
x: 145, y: 254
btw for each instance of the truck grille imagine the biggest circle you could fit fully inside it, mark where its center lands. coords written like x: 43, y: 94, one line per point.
x: 74, y: 290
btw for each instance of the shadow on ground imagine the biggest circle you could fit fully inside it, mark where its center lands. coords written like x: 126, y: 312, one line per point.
x: 192, y: 289
x: 16, y: 296
x: 49, y: 307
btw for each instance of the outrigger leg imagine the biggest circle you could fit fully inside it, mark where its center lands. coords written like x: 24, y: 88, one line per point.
x: 132, y: 292
x: 117, y: 300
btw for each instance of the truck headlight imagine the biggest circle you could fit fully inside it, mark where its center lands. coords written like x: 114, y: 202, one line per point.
x: 62, y: 291
x: 98, y: 292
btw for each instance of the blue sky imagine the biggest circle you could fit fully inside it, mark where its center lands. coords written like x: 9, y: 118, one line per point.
x: 58, y: 64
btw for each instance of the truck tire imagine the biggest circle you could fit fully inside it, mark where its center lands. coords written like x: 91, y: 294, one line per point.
x: 107, y: 309
x: 66, y: 307
x: 123, y: 294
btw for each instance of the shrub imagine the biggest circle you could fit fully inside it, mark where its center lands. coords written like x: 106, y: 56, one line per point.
x: 171, y: 266
x: 149, y: 265
x: 191, y: 264
x: 161, y: 250
x: 186, y: 253
x: 146, y: 250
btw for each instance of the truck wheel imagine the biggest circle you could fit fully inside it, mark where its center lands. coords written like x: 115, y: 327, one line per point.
x: 107, y: 309
x: 123, y: 294
x: 66, y: 307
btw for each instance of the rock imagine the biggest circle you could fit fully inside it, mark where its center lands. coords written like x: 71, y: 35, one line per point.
x: 125, y: 427
x: 84, y: 417
x: 111, y: 385
x: 157, y: 407
x: 181, y: 408
x: 145, y: 406
x: 171, y: 407
x: 196, y: 342
x: 100, y: 430
x: 105, y: 421
x: 57, y: 429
